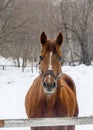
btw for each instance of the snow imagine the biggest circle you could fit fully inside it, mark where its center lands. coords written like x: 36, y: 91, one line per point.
x: 14, y: 85
x: 4, y: 61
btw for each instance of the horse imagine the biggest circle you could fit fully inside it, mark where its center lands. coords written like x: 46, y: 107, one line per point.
x: 52, y: 93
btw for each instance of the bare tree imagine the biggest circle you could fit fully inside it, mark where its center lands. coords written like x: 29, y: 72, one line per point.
x: 21, y: 23
x: 80, y: 14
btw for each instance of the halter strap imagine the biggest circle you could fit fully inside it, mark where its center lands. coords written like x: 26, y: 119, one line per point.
x: 50, y: 72
x: 59, y: 74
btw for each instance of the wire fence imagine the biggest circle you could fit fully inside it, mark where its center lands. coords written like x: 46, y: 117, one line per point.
x: 31, y: 67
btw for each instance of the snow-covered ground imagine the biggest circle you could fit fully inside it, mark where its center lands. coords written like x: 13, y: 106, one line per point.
x: 14, y: 85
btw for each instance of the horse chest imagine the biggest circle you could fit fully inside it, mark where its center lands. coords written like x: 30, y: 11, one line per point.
x: 52, y: 109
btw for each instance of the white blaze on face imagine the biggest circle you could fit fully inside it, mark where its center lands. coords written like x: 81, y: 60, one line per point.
x: 50, y: 63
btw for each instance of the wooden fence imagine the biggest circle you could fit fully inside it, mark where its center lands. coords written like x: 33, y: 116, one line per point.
x: 40, y: 122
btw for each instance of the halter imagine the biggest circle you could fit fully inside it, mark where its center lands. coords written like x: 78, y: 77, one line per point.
x: 50, y: 72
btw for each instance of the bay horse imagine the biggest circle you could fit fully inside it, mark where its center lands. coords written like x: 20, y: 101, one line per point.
x: 53, y: 93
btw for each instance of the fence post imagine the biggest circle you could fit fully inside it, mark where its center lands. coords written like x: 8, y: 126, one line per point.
x: 32, y: 68
x: 3, y: 67
x: 1, y: 123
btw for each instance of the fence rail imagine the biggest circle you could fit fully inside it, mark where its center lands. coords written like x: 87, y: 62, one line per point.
x: 33, y: 67
x: 40, y: 122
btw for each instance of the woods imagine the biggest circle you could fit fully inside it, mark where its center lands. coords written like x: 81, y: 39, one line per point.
x: 22, y: 22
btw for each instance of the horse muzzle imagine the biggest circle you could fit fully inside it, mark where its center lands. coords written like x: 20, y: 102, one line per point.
x: 49, y: 88
x: 49, y: 81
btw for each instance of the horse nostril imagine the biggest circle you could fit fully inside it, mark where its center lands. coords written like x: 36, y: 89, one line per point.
x: 54, y: 85
x: 44, y: 84
x: 49, y: 85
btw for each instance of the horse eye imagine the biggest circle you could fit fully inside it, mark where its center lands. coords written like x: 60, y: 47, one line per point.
x: 60, y: 59
x: 41, y: 58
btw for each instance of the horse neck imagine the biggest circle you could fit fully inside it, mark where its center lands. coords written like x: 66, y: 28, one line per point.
x: 51, y: 100
x: 48, y: 99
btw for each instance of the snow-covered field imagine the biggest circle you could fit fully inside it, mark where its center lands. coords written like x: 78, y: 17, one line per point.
x: 14, y: 84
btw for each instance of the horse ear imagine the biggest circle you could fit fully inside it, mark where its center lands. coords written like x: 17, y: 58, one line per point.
x: 43, y: 38
x: 59, y: 39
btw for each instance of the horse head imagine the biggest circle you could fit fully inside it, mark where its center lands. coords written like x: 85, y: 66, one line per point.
x: 50, y: 62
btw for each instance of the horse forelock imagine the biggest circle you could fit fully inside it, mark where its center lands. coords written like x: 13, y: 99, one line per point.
x: 54, y: 48
x: 50, y: 46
